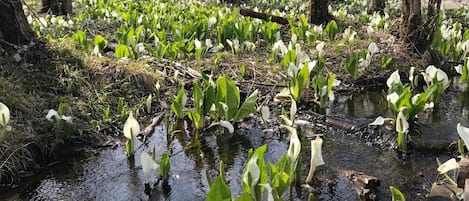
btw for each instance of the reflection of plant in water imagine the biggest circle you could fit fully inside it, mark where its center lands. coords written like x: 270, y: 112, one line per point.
x: 259, y: 176
x: 148, y: 164
x: 405, y: 106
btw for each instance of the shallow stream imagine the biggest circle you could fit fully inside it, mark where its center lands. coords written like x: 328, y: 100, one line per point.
x: 106, y: 174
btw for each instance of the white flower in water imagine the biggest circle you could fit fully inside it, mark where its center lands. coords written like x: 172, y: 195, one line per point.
x: 4, y: 115
x: 148, y: 164
x: 393, y: 79
x: 463, y: 133
x: 433, y: 72
x: 295, y: 144
x: 402, y: 126
x: 251, y: 176
x: 131, y: 127
x: 450, y: 164
x: 316, y: 157
x: 379, y: 121
x: 55, y: 114
x: 373, y: 48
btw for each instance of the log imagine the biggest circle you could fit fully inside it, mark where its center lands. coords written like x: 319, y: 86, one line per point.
x: 365, y: 185
x: 263, y: 16
x: 463, y: 172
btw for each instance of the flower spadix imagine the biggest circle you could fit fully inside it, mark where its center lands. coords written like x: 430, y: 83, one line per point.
x: 316, y: 157
x: 4, y: 115
x: 148, y: 164
x: 131, y: 127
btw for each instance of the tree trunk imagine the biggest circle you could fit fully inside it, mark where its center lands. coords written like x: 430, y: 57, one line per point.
x: 56, y: 7
x: 319, y: 13
x: 376, y: 6
x: 14, y: 28
x: 414, y: 31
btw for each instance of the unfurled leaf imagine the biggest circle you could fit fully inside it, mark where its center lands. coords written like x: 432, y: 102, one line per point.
x: 247, y: 107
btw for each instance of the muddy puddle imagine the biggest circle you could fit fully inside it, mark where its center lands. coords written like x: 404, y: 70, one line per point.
x: 106, y: 174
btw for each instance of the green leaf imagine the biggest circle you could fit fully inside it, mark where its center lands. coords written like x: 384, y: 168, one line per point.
x: 244, y: 197
x: 179, y: 103
x: 122, y: 51
x: 396, y: 194
x: 247, y: 107
x: 100, y: 42
x: 385, y: 61
x: 219, y: 191
x: 165, y: 166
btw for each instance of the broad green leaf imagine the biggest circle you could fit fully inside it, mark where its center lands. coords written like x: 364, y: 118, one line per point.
x: 396, y: 194
x: 179, y: 103
x: 122, y: 51
x: 219, y: 191
x: 247, y: 107
x: 165, y: 166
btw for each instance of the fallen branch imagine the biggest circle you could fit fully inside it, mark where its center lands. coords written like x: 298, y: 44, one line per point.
x: 263, y: 16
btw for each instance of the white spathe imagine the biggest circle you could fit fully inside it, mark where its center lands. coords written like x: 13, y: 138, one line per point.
x: 379, y: 121
x: 393, y: 79
x: 402, y: 126
x: 253, y: 172
x: 463, y: 133
x: 131, y: 127
x: 392, y: 98
x: 373, y: 48
x: 316, y: 157
x: 295, y: 144
x: 450, y: 164
x: 148, y: 164
x: 4, y: 115
x: 55, y: 114
x: 432, y: 73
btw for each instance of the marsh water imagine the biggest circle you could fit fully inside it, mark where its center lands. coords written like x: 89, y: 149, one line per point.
x: 106, y: 174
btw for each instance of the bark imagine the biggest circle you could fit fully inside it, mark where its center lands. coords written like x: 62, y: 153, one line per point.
x: 416, y: 32
x: 319, y: 13
x: 263, y: 16
x: 376, y: 6
x: 14, y: 28
x: 56, y: 7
